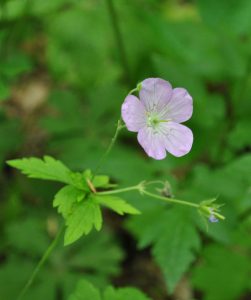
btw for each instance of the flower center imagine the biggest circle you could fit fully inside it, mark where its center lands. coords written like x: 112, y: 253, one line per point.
x: 153, y: 120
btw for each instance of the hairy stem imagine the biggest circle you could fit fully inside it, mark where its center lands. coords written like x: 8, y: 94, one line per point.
x: 40, y: 264
x: 140, y: 188
x: 118, y: 191
x: 170, y: 200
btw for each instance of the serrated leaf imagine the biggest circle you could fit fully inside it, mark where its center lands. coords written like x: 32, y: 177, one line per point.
x: 174, y: 241
x: 65, y: 199
x: 79, y: 181
x: 85, y: 215
x: 175, y: 249
x: 47, y: 168
x: 117, y: 204
x: 84, y: 291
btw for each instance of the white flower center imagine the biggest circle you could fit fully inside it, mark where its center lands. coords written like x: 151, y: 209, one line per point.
x: 153, y: 120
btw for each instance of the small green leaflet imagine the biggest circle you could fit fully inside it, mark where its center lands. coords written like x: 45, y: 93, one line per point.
x: 85, y: 215
x: 174, y: 240
x: 117, y: 204
x: 86, y: 291
x: 66, y: 198
x: 48, y: 169
x: 101, y: 181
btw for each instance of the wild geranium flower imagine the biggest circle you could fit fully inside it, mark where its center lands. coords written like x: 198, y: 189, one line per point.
x: 156, y: 116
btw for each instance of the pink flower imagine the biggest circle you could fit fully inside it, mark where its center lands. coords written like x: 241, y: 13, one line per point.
x: 157, y: 115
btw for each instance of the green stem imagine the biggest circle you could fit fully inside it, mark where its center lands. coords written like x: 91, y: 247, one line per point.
x: 171, y: 200
x: 130, y: 188
x: 118, y: 38
x: 40, y: 264
x: 133, y: 90
x: 140, y: 188
x: 113, y: 140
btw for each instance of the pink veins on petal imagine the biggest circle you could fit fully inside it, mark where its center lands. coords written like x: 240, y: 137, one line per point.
x: 156, y: 116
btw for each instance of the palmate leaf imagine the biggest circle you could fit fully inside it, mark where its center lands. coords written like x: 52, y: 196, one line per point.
x: 117, y: 204
x: 47, y: 168
x: 84, y: 216
x: 86, y: 291
x: 173, y: 238
x: 77, y: 201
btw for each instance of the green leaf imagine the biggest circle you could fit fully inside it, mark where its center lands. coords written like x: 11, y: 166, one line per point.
x: 223, y: 274
x: 65, y: 199
x: 174, y: 251
x: 117, y: 204
x: 85, y: 290
x: 85, y: 215
x: 48, y: 169
x: 173, y: 237
x: 98, y: 180
x: 126, y: 293
x: 101, y: 181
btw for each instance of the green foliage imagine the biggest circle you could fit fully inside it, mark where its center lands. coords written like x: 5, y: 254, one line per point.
x: 229, y: 14
x: 117, y: 204
x: 11, y: 137
x: 79, y: 207
x: 66, y: 198
x: 85, y: 290
x: 173, y: 237
x: 47, y: 169
x: 83, y: 218
x: 96, y: 258
x: 223, y: 273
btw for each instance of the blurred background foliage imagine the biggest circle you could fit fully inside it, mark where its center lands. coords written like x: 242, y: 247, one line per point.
x: 65, y: 68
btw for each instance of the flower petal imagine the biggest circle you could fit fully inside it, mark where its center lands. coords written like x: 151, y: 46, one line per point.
x: 178, y: 138
x: 133, y: 113
x: 180, y: 106
x: 155, y: 93
x: 152, y: 142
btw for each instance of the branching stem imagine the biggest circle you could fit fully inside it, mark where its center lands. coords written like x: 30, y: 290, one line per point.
x: 141, y: 189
